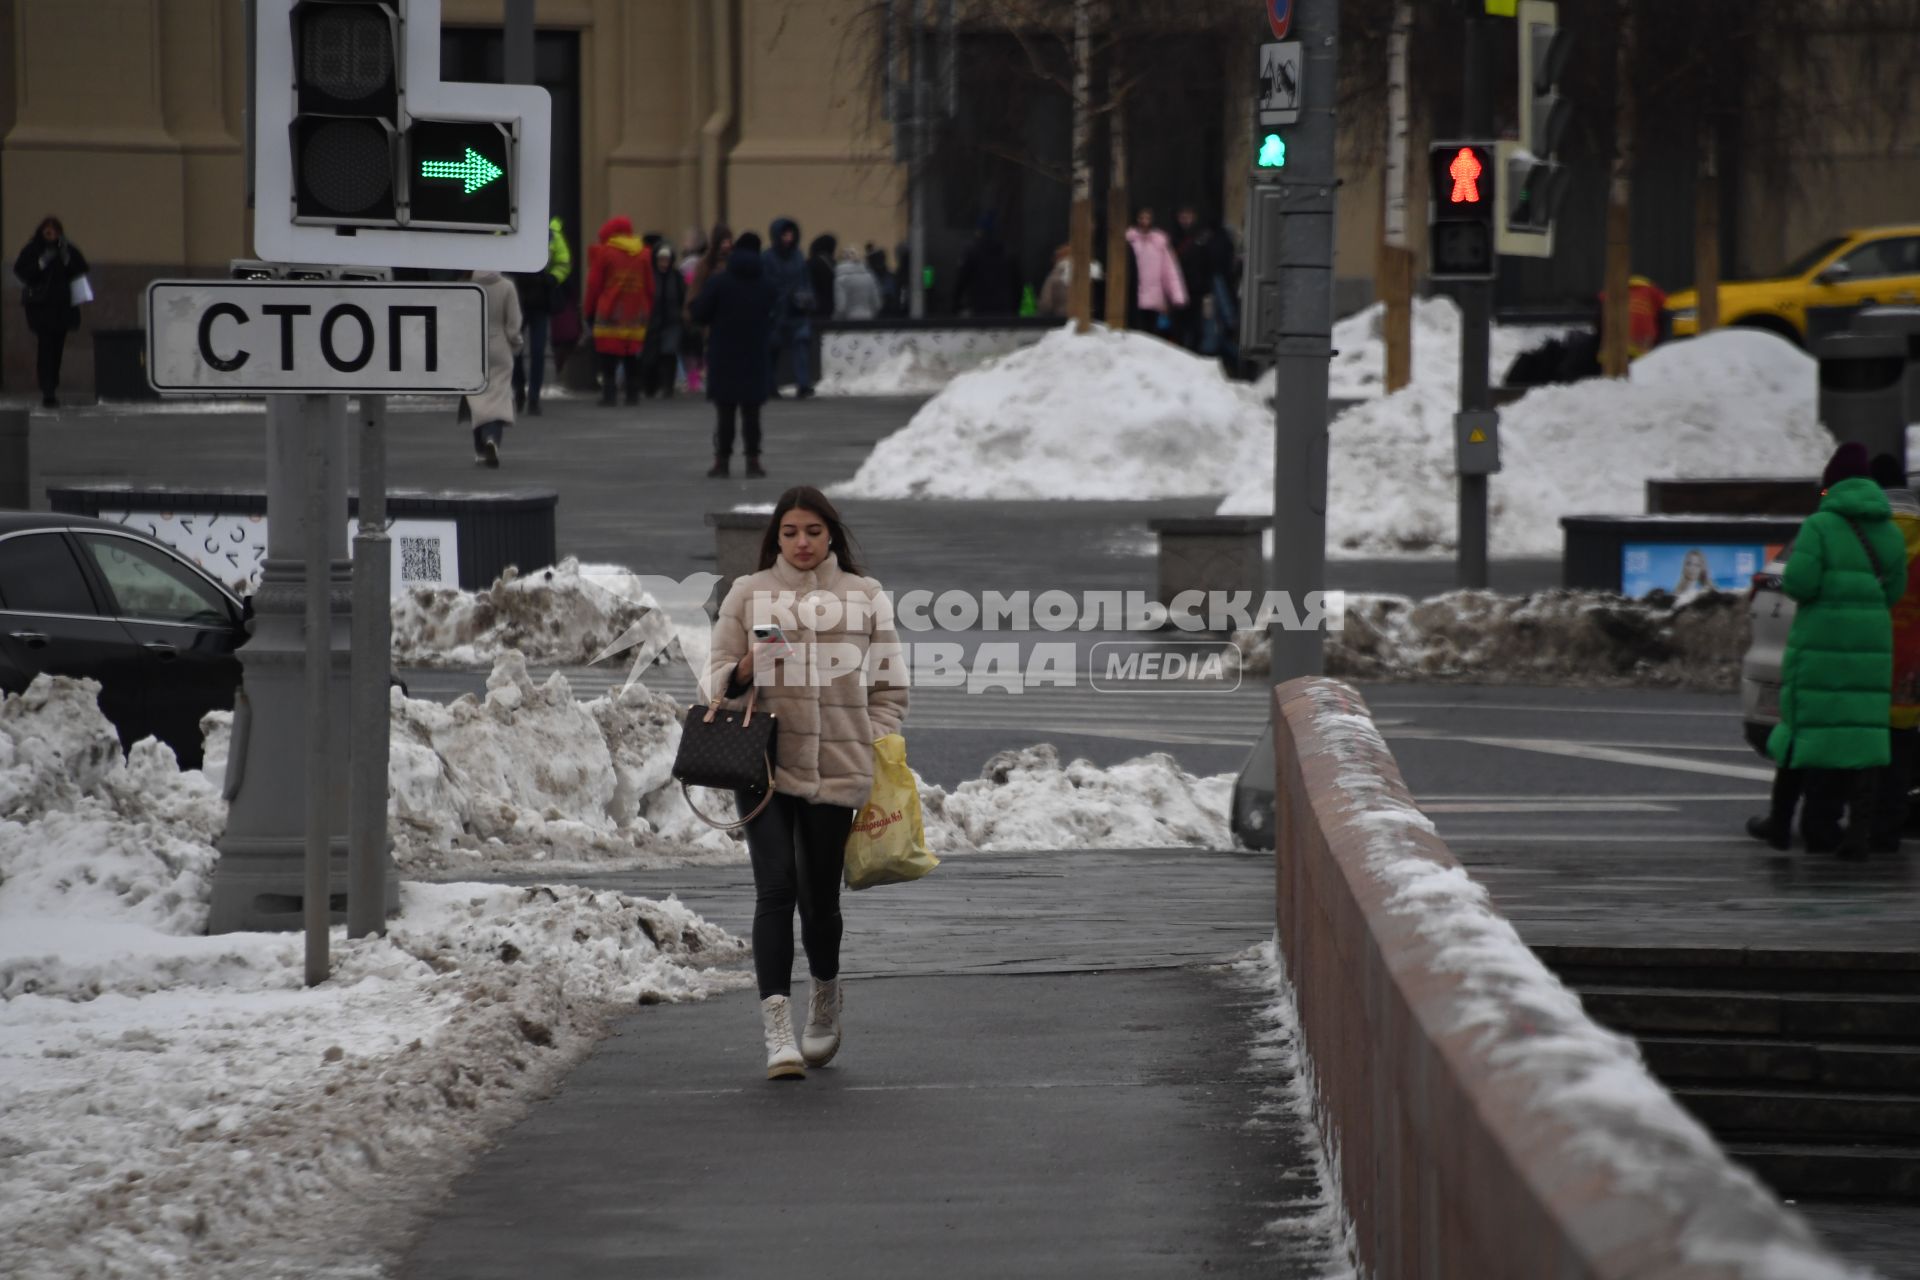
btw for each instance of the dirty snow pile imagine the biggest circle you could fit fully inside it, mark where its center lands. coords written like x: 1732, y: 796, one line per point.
x: 1026, y: 799
x: 1739, y: 402
x: 529, y: 774
x: 570, y: 613
x: 173, y: 1104
x: 1102, y: 415
x: 1359, y: 367
x: 1577, y: 637
x: 1519, y: 1030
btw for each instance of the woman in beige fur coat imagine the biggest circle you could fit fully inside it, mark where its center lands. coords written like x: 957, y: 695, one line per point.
x: 835, y: 675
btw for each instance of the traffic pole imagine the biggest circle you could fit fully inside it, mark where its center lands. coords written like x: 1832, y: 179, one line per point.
x: 316, y: 413
x: 1476, y: 310
x: 1304, y: 343
x: 368, y: 720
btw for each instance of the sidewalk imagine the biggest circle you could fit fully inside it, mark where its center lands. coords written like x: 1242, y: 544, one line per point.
x: 1051, y: 1079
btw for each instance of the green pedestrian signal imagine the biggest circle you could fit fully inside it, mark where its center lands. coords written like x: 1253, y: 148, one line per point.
x: 476, y: 171
x: 1273, y: 152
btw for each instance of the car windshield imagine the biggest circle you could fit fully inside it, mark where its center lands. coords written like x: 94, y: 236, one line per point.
x: 1812, y: 257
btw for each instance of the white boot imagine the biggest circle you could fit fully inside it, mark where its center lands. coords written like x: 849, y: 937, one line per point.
x: 821, y: 1039
x: 783, y: 1057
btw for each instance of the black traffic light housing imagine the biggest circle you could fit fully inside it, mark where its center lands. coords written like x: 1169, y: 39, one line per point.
x: 1462, y: 197
x: 347, y: 123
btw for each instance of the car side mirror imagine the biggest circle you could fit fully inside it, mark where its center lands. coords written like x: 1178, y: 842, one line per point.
x: 246, y: 613
x: 1838, y: 273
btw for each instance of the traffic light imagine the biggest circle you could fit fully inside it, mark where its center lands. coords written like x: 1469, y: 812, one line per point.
x: 364, y: 157
x: 1270, y: 150
x: 1536, y: 182
x: 1462, y: 198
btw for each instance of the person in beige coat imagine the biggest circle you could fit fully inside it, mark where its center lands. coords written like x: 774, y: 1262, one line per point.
x: 813, y: 642
x: 492, y: 409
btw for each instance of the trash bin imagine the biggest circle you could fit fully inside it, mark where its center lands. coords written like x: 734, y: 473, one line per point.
x: 1903, y: 322
x: 120, y: 365
x: 1863, y: 390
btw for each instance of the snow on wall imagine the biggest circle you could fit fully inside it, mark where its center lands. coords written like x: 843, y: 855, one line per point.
x: 1531, y: 1041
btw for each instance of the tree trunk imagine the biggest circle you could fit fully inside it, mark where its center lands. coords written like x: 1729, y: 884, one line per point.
x: 1119, y: 272
x: 1080, y: 288
x: 1706, y: 231
x: 1394, y: 276
x: 1617, y: 311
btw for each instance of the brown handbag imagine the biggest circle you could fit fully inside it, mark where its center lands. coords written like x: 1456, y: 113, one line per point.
x: 727, y: 750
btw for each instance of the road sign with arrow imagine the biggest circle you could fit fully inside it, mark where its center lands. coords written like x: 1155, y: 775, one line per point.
x: 462, y: 174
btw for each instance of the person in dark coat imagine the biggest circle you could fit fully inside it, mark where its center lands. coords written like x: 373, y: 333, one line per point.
x: 793, y: 307
x: 46, y: 269
x: 738, y: 306
x: 822, y: 259
x: 1193, y: 246
x: 884, y: 280
x: 988, y: 284
x: 660, y: 353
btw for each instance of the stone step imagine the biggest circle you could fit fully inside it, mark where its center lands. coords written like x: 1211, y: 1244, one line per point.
x: 1785, y: 1115
x: 1825, y: 1017
x: 1833, y: 1172
x: 1736, y: 968
x: 1833, y: 1068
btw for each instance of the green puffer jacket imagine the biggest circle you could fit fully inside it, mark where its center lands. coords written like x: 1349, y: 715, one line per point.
x: 1836, y: 681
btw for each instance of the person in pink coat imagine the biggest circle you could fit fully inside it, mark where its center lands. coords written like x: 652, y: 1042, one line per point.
x: 1159, y: 287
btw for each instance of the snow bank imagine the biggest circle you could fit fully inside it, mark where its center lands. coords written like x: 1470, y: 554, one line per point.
x: 1359, y: 367
x: 1027, y: 799
x: 1738, y: 402
x: 1537, y: 1044
x: 570, y: 613
x: 913, y: 371
x: 179, y: 1105
x: 1104, y: 415
x: 1581, y: 637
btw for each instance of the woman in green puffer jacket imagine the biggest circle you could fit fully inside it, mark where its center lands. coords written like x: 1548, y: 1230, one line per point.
x: 1847, y: 570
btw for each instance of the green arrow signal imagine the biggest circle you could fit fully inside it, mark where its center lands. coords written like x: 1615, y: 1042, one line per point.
x: 476, y: 171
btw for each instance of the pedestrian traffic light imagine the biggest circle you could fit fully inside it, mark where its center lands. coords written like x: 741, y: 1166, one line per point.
x: 1536, y: 182
x: 364, y: 157
x: 1272, y: 151
x: 1462, y: 198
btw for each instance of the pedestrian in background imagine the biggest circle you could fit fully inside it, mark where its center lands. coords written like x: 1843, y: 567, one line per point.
x: 693, y: 254
x: 883, y: 279
x: 737, y: 306
x: 710, y: 263
x: 660, y: 353
x: 1194, y: 251
x: 1159, y: 288
x: 53, y: 282
x: 822, y: 256
x: 539, y: 296
x: 793, y: 307
x: 823, y: 771
x: 492, y: 409
x: 619, y: 302
x: 856, y: 295
x: 1847, y: 569
x: 1890, y: 810
x: 987, y: 283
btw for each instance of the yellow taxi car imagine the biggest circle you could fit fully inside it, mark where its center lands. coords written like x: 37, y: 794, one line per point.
x: 1876, y: 266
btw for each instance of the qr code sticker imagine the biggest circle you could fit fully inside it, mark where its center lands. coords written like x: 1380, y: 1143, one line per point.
x: 420, y: 560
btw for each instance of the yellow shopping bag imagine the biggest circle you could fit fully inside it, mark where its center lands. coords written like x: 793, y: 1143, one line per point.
x: 888, y: 844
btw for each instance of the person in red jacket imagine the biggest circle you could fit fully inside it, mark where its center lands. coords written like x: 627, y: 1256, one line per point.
x: 619, y: 301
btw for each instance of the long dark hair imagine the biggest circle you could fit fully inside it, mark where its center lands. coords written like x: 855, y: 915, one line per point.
x: 806, y: 497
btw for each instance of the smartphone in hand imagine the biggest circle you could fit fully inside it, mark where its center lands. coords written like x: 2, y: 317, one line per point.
x: 771, y: 635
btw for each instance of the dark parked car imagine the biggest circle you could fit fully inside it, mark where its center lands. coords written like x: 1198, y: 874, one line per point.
x: 81, y: 597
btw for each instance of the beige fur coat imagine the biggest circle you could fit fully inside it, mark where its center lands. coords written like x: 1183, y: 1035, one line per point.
x: 844, y: 686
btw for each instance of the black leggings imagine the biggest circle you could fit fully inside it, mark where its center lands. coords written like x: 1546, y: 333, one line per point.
x: 52, y: 345
x: 725, y: 411
x: 798, y: 851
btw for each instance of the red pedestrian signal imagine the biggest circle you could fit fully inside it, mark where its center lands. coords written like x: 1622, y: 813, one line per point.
x: 1465, y: 172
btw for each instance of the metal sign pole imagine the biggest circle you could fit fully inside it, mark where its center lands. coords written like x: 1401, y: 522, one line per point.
x: 369, y: 741
x: 317, y: 909
x: 1476, y: 320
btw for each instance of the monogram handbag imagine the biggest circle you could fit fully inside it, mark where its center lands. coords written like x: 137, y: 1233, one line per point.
x: 727, y: 750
